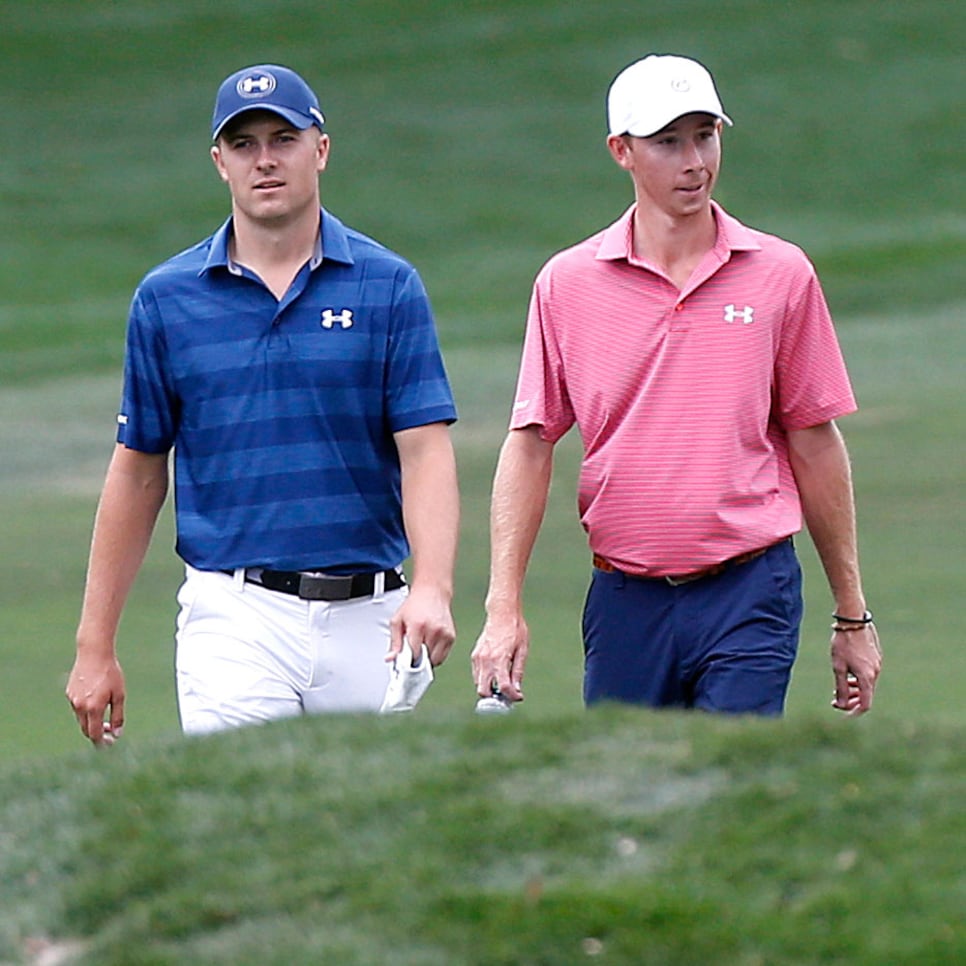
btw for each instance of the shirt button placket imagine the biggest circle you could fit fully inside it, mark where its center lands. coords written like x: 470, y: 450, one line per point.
x: 678, y: 317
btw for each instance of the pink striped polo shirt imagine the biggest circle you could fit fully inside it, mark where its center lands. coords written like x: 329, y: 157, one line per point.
x: 682, y: 397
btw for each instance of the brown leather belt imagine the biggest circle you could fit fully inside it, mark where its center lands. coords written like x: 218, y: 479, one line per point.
x: 675, y: 580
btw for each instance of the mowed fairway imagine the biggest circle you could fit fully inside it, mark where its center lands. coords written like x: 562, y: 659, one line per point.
x: 470, y: 137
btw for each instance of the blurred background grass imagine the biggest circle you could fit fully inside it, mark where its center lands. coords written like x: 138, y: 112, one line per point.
x: 470, y: 138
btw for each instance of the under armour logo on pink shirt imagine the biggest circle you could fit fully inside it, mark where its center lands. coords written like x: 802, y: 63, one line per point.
x: 732, y: 314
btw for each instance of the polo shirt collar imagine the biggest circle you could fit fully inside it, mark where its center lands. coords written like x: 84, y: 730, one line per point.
x: 218, y: 250
x: 332, y: 244
x: 335, y: 240
x: 617, y: 240
x: 733, y: 236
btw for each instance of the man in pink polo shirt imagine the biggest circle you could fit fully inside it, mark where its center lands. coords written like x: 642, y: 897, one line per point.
x: 699, y: 362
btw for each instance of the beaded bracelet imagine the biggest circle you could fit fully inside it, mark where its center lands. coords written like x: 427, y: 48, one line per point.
x: 851, y: 623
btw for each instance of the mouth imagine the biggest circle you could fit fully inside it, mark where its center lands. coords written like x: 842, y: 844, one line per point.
x: 269, y: 185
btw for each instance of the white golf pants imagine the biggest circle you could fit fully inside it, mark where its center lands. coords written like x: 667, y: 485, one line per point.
x: 247, y: 655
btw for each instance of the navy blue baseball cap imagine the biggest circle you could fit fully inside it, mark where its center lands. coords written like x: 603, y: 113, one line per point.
x: 266, y: 87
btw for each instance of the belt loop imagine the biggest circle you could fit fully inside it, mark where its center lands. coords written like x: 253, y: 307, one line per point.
x: 239, y: 578
x: 378, y: 585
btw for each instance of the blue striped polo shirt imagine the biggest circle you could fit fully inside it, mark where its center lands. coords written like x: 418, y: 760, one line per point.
x: 282, y: 413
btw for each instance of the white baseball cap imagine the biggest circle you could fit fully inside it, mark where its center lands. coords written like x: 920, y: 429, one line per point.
x: 650, y: 93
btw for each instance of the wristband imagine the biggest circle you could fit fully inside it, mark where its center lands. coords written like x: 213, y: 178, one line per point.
x: 866, y: 618
x: 849, y: 624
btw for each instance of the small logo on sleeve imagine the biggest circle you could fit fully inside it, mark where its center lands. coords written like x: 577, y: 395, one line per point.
x: 329, y: 318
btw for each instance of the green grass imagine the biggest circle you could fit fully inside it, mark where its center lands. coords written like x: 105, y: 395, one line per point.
x: 636, y: 837
x: 470, y: 137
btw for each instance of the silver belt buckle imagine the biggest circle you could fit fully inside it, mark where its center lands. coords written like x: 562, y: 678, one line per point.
x: 324, y: 587
x: 688, y: 578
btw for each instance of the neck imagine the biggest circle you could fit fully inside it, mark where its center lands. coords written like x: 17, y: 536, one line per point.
x: 674, y: 244
x: 258, y: 245
x: 275, y: 253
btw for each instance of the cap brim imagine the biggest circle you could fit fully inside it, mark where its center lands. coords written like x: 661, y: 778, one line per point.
x: 296, y: 118
x: 694, y: 110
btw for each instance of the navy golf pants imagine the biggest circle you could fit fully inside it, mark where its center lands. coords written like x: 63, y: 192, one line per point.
x: 724, y: 643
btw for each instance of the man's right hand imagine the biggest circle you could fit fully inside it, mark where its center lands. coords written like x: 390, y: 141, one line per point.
x: 500, y: 657
x: 94, y: 689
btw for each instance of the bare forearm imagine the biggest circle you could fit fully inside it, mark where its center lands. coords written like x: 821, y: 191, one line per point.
x: 133, y: 494
x: 431, y: 508
x: 519, y: 501
x: 134, y: 491
x: 821, y: 466
x: 823, y: 474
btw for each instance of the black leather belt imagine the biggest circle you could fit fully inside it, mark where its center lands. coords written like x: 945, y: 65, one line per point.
x: 313, y: 585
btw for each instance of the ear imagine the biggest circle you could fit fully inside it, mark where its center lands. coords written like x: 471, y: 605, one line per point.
x: 219, y: 165
x: 620, y: 150
x: 323, y: 155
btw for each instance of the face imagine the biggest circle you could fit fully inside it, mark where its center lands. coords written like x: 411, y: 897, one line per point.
x: 676, y: 169
x: 271, y: 168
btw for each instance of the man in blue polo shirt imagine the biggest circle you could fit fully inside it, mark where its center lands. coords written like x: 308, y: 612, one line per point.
x: 292, y: 366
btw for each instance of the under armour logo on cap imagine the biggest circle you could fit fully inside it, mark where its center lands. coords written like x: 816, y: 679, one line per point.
x: 257, y: 84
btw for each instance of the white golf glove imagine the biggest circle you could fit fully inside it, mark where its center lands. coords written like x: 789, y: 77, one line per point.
x: 407, y: 684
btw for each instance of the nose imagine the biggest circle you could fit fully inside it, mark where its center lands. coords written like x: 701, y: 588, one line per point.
x: 265, y: 159
x: 693, y: 158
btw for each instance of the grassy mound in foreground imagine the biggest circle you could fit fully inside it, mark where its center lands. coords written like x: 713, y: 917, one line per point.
x: 618, y: 836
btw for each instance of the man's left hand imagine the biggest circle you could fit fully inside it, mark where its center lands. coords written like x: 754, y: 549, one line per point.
x: 856, y: 664
x: 424, y: 618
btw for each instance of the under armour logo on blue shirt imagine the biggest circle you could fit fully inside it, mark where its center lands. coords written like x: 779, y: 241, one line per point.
x: 329, y: 318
